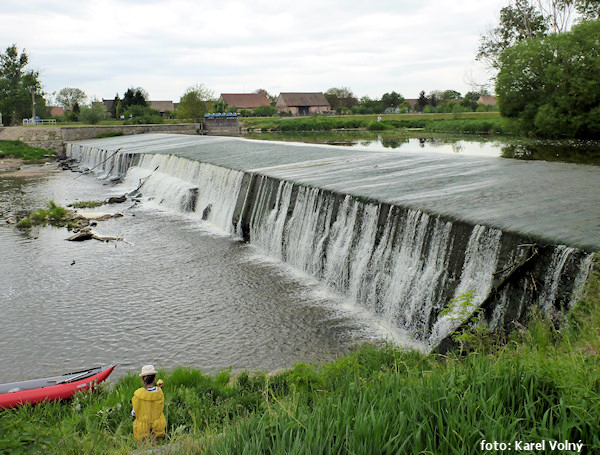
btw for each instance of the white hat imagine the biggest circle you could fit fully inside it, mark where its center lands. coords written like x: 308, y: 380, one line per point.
x: 147, y: 370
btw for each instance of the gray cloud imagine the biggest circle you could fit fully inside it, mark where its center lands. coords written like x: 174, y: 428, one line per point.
x: 165, y: 46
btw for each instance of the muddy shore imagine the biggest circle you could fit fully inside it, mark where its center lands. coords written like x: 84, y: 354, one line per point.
x: 17, y: 168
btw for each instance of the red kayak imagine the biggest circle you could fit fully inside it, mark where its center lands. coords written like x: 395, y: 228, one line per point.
x: 15, y: 394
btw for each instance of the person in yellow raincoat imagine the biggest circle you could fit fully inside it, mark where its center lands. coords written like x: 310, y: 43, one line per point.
x: 148, y: 403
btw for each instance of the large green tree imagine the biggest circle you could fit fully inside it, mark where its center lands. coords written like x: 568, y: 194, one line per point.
x: 134, y: 97
x: 19, y: 87
x: 341, y: 98
x: 392, y: 100
x: 552, y: 84
x: 68, y: 97
x: 522, y: 20
x: 193, y: 103
x: 421, y: 102
x: 519, y: 20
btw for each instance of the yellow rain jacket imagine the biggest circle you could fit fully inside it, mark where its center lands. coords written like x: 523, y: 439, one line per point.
x: 148, y: 407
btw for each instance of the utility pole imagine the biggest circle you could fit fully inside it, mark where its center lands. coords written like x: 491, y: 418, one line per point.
x: 32, y: 90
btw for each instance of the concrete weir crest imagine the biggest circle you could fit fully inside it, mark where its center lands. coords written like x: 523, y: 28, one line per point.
x: 399, y: 262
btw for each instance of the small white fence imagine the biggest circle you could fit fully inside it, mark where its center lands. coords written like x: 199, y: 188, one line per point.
x: 37, y: 121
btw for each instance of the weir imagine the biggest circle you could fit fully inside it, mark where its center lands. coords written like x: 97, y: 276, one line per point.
x: 397, y: 234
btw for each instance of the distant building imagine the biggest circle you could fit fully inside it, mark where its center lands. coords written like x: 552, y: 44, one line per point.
x: 57, y: 111
x: 162, y: 106
x: 412, y: 102
x: 487, y: 100
x: 245, y: 100
x: 303, y: 103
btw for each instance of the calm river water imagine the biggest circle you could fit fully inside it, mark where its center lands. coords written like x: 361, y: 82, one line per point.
x: 177, y: 293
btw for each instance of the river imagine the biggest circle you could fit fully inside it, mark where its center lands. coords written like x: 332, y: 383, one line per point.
x: 180, y: 291
x: 177, y: 292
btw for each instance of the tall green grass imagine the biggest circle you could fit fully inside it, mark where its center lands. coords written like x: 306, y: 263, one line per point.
x: 542, y: 385
x: 18, y: 149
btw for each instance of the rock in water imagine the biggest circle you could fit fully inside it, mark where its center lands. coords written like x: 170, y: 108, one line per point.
x: 116, y: 199
x: 85, y: 234
x: 206, y: 212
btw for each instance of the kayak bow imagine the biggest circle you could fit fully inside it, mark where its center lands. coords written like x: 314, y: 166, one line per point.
x: 15, y: 394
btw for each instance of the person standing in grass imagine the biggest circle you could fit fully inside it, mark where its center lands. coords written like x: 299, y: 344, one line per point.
x: 148, y: 403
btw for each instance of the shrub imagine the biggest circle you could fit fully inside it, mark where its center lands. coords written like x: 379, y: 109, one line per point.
x: 92, y: 115
x: 142, y: 115
x: 375, y: 125
x: 264, y: 111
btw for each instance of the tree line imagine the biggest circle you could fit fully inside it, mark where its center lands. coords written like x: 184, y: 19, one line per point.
x: 547, y: 57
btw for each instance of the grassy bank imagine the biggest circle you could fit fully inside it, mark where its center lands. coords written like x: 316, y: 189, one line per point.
x: 18, y: 149
x: 542, y: 385
x: 472, y: 122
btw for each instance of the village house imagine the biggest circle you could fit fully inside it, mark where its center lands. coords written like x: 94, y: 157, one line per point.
x: 412, y: 102
x: 164, y: 107
x: 303, y: 103
x: 57, y: 111
x: 245, y: 100
x: 487, y: 100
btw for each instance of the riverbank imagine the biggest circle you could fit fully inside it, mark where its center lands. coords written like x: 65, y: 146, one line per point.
x: 20, y: 160
x: 537, y: 386
x: 15, y: 168
x: 471, y: 122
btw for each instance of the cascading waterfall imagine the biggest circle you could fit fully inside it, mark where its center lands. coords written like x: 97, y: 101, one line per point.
x: 103, y: 163
x: 171, y: 182
x: 403, y: 265
x: 206, y: 191
x: 401, y: 274
x: 554, y: 274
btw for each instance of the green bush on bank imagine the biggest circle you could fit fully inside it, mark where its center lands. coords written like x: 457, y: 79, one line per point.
x: 480, y: 123
x: 543, y: 385
x: 18, y: 149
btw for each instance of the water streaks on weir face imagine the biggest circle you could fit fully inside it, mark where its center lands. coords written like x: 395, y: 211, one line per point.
x: 398, y: 233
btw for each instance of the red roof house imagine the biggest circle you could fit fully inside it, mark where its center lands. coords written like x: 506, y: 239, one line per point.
x: 303, y: 103
x: 245, y: 100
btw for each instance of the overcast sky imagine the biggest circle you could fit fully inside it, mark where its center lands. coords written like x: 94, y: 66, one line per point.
x: 372, y: 47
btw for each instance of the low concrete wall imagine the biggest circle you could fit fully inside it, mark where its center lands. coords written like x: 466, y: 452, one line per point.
x: 75, y: 133
x: 54, y: 138
x: 45, y: 137
x: 212, y: 129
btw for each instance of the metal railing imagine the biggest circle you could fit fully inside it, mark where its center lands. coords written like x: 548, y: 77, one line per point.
x: 37, y: 121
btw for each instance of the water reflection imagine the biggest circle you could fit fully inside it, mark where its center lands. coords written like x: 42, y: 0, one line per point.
x: 582, y: 152
x: 567, y: 151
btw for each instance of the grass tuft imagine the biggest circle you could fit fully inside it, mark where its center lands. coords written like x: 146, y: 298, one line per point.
x: 87, y: 204
x: 53, y: 214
